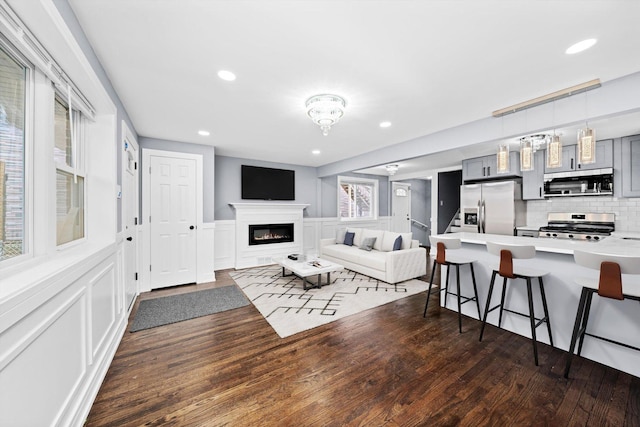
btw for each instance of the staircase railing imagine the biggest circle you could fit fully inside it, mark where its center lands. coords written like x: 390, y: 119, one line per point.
x: 419, y: 224
x: 452, y: 222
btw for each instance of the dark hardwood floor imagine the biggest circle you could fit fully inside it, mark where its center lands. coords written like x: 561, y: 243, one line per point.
x: 385, y: 366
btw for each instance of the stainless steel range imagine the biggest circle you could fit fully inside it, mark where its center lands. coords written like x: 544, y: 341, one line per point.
x: 578, y: 226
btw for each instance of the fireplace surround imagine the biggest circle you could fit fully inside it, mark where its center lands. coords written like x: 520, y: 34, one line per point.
x: 264, y: 234
x: 271, y: 214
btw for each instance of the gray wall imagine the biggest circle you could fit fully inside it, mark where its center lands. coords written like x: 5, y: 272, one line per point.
x: 72, y: 22
x: 329, y: 193
x: 208, y: 166
x: 420, y: 208
x: 227, y: 189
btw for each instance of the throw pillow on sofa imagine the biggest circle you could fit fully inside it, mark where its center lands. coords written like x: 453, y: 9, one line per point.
x: 388, y: 240
x: 378, y: 234
x: 397, y: 244
x: 340, y: 235
x: 367, y: 243
x: 348, y: 238
x: 357, y: 238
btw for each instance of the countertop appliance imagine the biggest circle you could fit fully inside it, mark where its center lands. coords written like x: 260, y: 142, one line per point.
x: 578, y: 226
x: 492, y: 207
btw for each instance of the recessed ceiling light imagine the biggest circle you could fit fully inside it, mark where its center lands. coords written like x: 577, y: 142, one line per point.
x: 385, y: 124
x: 315, y: 152
x: 580, y: 46
x: 226, y: 75
x: 204, y: 133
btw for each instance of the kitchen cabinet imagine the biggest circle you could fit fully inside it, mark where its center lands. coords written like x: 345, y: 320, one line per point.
x: 486, y: 167
x: 533, y: 181
x: 630, y: 167
x: 604, y: 158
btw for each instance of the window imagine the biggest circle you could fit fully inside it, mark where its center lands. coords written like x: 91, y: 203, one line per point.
x: 13, y: 81
x: 69, y: 173
x: 357, y: 198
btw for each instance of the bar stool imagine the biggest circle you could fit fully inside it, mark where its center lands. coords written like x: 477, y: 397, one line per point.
x: 609, y: 285
x: 507, y: 270
x: 445, y: 248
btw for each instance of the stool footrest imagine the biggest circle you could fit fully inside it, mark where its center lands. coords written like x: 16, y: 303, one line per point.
x: 540, y: 321
x: 613, y: 342
x: 462, y: 297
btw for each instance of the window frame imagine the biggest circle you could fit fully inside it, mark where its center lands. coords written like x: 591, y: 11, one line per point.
x: 29, y: 121
x: 78, y: 169
x: 374, y: 196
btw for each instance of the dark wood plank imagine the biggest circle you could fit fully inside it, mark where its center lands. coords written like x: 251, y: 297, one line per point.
x: 385, y: 366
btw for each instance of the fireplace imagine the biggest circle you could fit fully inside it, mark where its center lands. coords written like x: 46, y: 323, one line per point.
x: 263, y: 234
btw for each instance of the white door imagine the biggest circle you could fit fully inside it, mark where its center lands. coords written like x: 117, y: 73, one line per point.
x: 172, y: 221
x: 401, y: 207
x: 130, y: 212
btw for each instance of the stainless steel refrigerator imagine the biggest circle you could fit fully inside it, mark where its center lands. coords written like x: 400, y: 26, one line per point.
x: 492, y: 207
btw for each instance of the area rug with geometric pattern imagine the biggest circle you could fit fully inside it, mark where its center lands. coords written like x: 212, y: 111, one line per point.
x: 290, y: 309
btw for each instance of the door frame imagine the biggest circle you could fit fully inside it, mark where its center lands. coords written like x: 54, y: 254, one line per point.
x: 147, y: 153
x: 129, y: 138
x: 395, y: 185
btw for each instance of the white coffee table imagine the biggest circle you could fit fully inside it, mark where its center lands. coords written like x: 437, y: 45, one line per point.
x: 306, y: 268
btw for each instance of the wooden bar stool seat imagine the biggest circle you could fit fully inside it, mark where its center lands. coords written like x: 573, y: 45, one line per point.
x: 507, y: 270
x: 446, y: 256
x: 608, y: 285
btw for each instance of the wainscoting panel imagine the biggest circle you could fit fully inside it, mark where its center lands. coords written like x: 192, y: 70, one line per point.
x: 40, y: 379
x: 206, y: 253
x: 225, y: 244
x: 57, y: 343
x: 103, y: 306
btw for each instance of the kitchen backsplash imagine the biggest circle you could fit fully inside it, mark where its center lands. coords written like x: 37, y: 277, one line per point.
x: 625, y: 209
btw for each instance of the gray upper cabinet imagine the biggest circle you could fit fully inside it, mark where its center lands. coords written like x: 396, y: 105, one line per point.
x: 604, y: 158
x: 630, y: 166
x: 481, y: 168
x: 533, y: 181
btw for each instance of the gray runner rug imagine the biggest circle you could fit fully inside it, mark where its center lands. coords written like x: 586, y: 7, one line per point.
x: 176, y: 308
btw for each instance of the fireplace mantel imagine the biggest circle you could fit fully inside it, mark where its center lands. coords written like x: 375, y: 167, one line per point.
x: 250, y: 213
x: 267, y: 205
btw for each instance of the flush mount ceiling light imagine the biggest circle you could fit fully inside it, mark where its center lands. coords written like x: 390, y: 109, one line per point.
x: 580, y: 46
x: 537, y: 142
x: 391, y: 169
x: 325, y: 110
x: 226, y: 75
x: 385, y: 124
x: 204, y: 133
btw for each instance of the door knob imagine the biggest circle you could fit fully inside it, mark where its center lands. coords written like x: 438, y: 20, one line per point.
x: 191, y: 227
x: 129, y: 239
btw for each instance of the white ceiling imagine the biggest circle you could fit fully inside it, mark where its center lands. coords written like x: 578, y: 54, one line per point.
x: 423, y: 65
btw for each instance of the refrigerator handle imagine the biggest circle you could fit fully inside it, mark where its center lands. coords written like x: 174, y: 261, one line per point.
x: 483, y: 218
x: 479, y: 216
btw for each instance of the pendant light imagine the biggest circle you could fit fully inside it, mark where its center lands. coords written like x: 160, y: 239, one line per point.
x: 586, y: 140
x: 554, y: 147
x: 503, y: 158
x: 554, y: 152
x: 526, y: 155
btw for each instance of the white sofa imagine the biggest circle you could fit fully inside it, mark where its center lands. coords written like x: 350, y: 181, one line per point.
x: 381, y: 262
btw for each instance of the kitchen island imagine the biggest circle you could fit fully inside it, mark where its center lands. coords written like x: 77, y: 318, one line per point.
x: 616, y: 320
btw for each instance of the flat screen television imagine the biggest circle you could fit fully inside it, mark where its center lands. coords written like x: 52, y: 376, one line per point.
x: 260, y: 183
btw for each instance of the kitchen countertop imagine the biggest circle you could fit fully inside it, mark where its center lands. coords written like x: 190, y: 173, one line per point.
x: 613, y: 245
x: 616, y: 320
x: 632, y: 235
